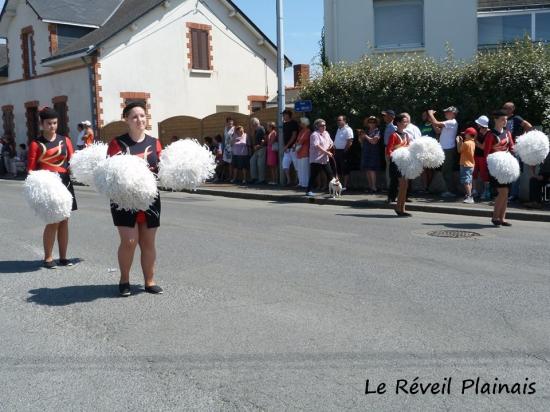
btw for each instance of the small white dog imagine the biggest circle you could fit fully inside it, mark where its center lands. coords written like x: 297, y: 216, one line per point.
x: 335, y: 188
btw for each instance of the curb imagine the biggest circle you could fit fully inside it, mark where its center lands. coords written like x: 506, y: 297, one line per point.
x: 376, y: 204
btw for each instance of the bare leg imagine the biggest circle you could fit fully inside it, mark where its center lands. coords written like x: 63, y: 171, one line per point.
x: 48, y: 238
x: 504, y: 205
x: 63, y: 238
x: 129, y: 238
x: 402, y: 194
x: 148, y: 253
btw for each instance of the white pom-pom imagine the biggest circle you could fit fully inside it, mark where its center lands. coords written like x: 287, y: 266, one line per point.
x: 84, y: 162
x: 532, y: 147
x: 185, y: 164
x: 428, y: 151
x: 503, y: 167
x: 47, y: 196
x: 409, y: 166
x: 127, y: 181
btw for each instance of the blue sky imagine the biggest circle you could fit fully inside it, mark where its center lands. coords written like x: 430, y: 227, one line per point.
x: 303, y: 25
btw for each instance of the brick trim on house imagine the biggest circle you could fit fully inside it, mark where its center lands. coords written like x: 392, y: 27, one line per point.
x: 29, y: 67
x: 29, y: 119
x: 64, y: 115
x: 8, y: 120
x: 258, y: 99
x: 52, y: 29
x: 203, y: 27
x: 126, y: 96
x: 98, y: 99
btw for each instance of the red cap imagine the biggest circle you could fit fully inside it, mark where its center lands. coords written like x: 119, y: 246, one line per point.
x: 471, y: 131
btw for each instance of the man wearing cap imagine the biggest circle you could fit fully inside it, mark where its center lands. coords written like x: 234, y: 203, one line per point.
x: 389, y: 116
x: 517, y: 126
x: 449, y: 130
x: 88, y: 133
x: 481, y: 172
x: 80, y: 138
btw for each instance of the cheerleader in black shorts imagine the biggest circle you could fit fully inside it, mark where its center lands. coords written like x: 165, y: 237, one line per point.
x: 499, y: 139
x: 137, y: 227
x: 51, y: 151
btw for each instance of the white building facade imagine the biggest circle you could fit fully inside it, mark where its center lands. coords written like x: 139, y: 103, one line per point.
x: 354, y: 28
x: 180, y: 57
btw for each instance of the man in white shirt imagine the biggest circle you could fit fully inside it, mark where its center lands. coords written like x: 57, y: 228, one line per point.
x: 342, y: 143
x: 412, y: 130
x: 447, y: 139
x: 80, y: 139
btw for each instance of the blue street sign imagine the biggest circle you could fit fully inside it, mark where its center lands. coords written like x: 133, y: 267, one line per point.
x: 303, y: 106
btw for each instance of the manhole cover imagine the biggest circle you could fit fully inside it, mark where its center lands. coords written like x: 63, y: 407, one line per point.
x: 455, y: 234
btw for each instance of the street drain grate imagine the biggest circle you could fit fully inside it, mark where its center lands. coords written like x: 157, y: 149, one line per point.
x: 455, y: 234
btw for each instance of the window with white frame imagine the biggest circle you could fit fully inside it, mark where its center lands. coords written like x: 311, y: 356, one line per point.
x: 506, y: 27
x: 398, y: 24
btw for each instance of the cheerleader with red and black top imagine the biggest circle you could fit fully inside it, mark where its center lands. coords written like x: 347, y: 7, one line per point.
x: 137, y: 227
x: 499, y: 139
x: 398, y: 183
x: 51, y: 151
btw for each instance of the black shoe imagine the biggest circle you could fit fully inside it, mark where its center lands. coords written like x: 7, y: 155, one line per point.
x: 155, y: 289
x: 496, y: 222
x: 124, y: 289
x: 49, y: 265
x: 65, y: 262
x: 402, y: 214
x: 503, y: 223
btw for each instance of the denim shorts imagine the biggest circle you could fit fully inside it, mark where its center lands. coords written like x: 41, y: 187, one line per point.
x: 466, y: 174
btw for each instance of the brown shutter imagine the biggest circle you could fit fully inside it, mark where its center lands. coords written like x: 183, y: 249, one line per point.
x: 199, y: 41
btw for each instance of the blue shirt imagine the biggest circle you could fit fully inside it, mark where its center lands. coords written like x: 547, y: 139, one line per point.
x: 390, y: 129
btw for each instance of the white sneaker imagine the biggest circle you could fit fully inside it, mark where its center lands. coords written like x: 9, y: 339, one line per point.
x: 310, y: 194
x: 448, y: 194
x: 344, y: 189
x: 469, y: 200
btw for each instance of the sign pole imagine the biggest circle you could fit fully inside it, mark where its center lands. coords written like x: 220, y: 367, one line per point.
x: 281, y: 98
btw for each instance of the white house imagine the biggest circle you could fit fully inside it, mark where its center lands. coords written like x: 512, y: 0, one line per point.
x: 354, y: 28
x: 87, y: 58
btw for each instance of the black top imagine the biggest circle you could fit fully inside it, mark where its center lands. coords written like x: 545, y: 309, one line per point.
x: 259, y: 136
x: 289, y: 128
x: 148, y: 149
x: 514, y: 126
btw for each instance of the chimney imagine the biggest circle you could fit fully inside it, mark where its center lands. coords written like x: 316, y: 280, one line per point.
x: 301, y: 74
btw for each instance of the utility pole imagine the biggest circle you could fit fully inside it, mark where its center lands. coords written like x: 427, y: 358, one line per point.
x: 281, y: 98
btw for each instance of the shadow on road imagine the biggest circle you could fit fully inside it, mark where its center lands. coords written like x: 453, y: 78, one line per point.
x: 20, y: 266
x: 461, y: 225
x: 69, y: 295
x: 372, y: 216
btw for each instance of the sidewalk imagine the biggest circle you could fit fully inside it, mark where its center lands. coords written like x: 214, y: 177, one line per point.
x: 422, y: 203
x: 358, y: 199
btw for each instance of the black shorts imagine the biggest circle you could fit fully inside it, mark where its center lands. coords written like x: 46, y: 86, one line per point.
x: 128, y: 218
x: 496, y: 184
x: 66, y: 179
x: 241, y: 162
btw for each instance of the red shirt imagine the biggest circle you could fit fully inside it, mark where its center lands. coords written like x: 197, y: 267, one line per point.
x: 53, y: 156
x: 396, y: 141
x: 502, y: 141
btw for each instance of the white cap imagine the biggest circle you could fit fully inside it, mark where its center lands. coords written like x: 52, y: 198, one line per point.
x: 482, y: 121
x: 87, y: 123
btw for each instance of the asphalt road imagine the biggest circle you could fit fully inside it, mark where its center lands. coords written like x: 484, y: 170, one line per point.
x: 274, y: 306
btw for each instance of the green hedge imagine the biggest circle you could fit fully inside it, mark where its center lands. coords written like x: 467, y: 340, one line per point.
x: 519, y: 72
